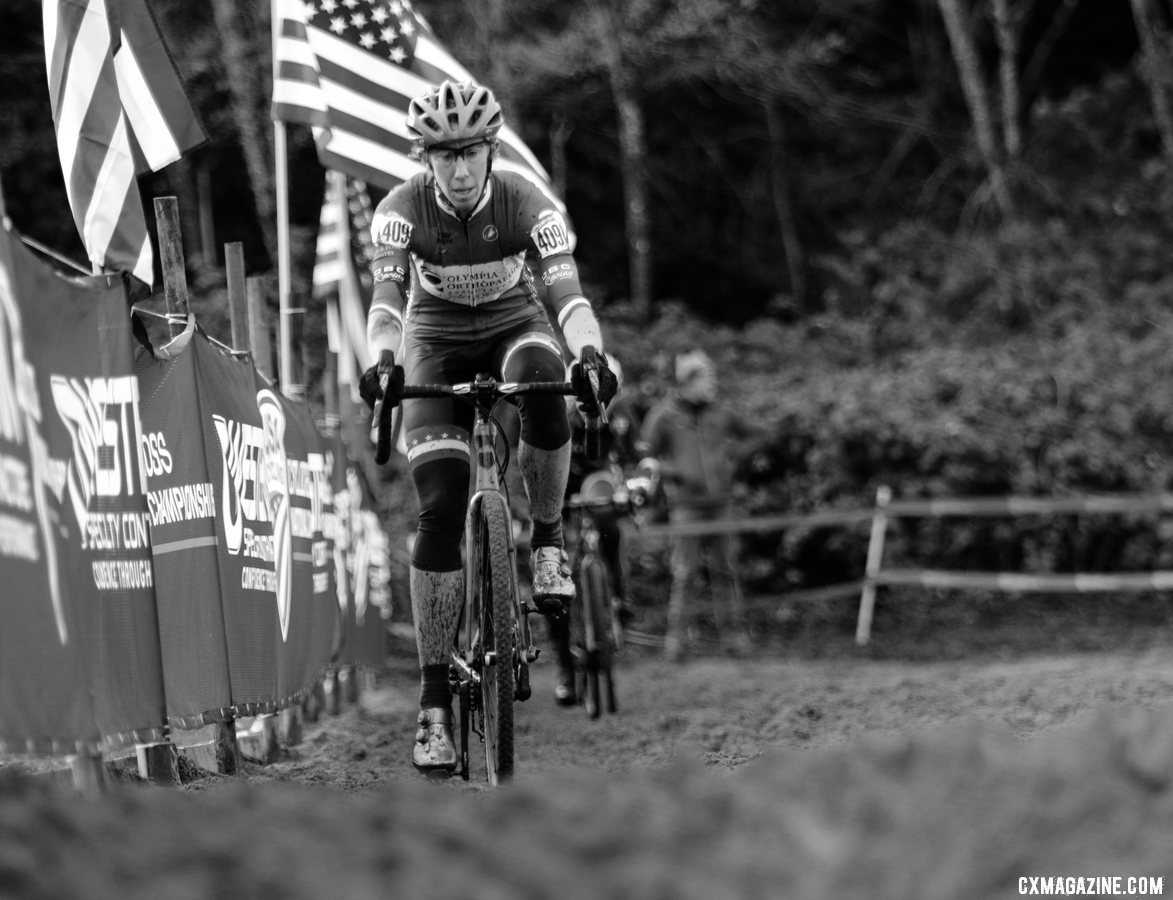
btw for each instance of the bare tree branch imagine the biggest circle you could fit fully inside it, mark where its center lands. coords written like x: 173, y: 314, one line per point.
x: 977, y: 98
x: 1154, y: 43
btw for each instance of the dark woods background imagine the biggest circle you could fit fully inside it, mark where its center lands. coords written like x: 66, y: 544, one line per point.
x: 927, y: 240
x: 762, y: 141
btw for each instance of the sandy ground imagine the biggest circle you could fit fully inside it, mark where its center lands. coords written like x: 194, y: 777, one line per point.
x: 717, y: 778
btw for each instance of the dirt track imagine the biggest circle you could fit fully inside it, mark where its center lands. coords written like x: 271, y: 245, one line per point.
x: 716, y: 779
x: 723, y: 713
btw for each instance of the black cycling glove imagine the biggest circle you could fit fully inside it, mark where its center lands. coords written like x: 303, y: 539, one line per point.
x: 371, y: 392
x: 368, y: 387
x: 579, y: 380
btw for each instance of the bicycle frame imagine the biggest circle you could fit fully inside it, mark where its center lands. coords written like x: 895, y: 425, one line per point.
x: 593, y: 624
x: 487, y: 483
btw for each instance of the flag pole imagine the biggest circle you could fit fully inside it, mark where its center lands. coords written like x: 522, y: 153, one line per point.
x: 285, y: 350
x: 281, y: 173
x: 343, y: 372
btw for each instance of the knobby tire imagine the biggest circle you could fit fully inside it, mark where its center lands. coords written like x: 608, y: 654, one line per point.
x: 496, y: 616
x: 595, y: 607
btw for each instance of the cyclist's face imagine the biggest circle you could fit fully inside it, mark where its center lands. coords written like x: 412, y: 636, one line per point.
x: 461, y: 173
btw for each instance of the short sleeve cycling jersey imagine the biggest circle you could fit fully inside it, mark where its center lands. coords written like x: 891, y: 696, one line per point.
x: 451, y: 275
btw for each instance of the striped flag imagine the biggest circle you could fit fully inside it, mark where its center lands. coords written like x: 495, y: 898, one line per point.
x: 349, y: 68
x: 344, y: 223
x: 120, y: 110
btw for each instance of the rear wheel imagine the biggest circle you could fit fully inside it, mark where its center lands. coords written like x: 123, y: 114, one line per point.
x: 494, y: 613
x: 595, y: 606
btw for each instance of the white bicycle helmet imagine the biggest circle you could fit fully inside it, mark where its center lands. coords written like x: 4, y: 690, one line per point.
x: 454, y: 112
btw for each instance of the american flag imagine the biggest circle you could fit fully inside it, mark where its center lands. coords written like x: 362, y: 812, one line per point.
x: 344, y: 223
x: 349, y: 68
x: 120, y: 110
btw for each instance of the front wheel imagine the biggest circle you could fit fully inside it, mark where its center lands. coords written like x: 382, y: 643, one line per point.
x: 492, y: 608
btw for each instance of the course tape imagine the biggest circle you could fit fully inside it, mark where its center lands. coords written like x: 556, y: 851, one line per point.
x: 1013, y: 506
x: 956, y: 506
x: 1012, y: 582
x: 759, y: 523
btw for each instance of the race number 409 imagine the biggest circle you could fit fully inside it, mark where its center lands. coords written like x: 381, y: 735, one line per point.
x: 391, y: 231
x: 550, y: 235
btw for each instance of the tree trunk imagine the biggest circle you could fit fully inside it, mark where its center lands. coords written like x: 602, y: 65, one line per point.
x: 783, y: 208
x: 249, y: 88
x: 1153, y: 43
x: 559, y: 136
x: 632, y: 159
x: 1045, y: 47
x: 977, y: 98
x: 1008, y: 77
x: 496, y: 33
x: 637, y: 213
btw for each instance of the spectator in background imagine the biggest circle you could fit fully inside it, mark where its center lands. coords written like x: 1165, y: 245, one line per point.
x: 650, y: 387
x: 697, y: 442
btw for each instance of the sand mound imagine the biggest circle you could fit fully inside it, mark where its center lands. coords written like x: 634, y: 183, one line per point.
x: 963, y: 810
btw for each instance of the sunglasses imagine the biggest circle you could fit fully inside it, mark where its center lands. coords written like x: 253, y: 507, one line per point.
x: 446, y: 157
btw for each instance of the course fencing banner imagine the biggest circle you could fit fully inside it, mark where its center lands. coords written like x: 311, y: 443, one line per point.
x: 181, y: 503
x: 339, y: 517
x: 372, y: 606
x: 79, y: 650
x: 295, y: 481
x: 45, y: 704
x: 249, y: 559
x: 240, y: 499
x: 370, y: 573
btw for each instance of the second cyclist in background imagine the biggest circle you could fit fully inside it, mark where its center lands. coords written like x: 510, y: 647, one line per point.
x: 619, y: 451
x: 452, y: 286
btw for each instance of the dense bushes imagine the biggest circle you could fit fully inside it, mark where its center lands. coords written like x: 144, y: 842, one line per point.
x: 1033, y: 360
x: 1030, y: 360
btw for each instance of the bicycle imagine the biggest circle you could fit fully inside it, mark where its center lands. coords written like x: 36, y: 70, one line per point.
x: 596, y: 624
x: 494, y: 645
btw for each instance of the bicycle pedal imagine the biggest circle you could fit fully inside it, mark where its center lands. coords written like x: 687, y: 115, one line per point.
x: 522, y: 690
x: 552, y: 606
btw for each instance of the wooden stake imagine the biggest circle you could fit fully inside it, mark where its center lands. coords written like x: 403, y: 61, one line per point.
x: 227, y: 750
x: 261, y: 740
x: 237, y: 298
x: 89, y: 773
x: 258, y: 328
x: 158, y: 762
x: 291, y: 730
x: 171, y: 257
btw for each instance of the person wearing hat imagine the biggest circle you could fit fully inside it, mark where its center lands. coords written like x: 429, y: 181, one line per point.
x: 697, y: 442
x: 453, y: 297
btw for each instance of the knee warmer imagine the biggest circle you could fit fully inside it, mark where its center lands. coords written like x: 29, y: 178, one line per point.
x: 543, y: 421
x: 443, y: 493
x: 543, y: 417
